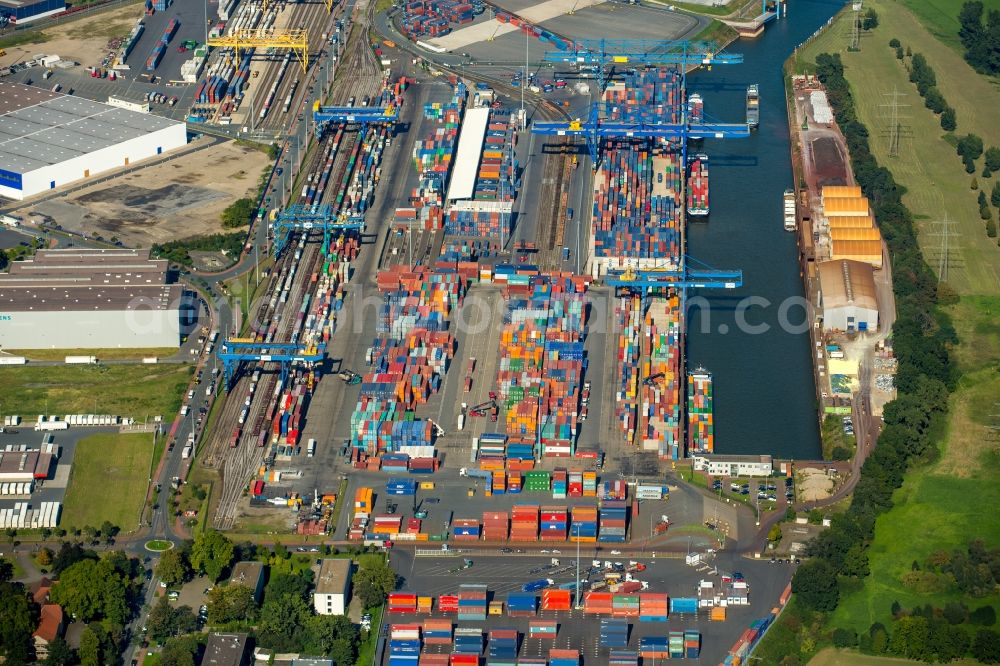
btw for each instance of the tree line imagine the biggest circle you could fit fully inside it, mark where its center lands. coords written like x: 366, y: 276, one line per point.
x: 922, y: 337
x: 981, y: 40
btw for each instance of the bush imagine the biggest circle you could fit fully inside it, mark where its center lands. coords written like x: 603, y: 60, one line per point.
x: 840, y: 453
x: 991, y: 227
x: 948, y: 122
x: 934, y: 100
x: 179, y: 252
x: 899, y: 53
x: 984, y: 616
x: 870, y: 21
x: 238, y: 213
x: 844, y: 638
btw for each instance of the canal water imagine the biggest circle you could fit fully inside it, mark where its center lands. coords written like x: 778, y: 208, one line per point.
x: 765, y: 400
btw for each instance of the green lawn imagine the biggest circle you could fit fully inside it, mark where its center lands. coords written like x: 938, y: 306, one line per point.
x: 123, y: 390
x: 942, y: 502
x: 833, y: 436
x: 101, y: 354
x: 366, y: 653
x: 835, y: 657
x: 928, y: 166
x: 940, y: 17
x: 108, y: 481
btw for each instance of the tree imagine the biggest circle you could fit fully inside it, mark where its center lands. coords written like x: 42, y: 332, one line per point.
x: 374, y: 583
x: 991, y: 228
x: 179, y: 652
x: 840, y: 453
x: 970, y: 146
x: 231, y: 603
x: 211, y: 554
x: 844, y: 638
x: 238, y: 213
x: 333, y: 636
x: 986, y: 646
x: 160, y: 624
x: 89, y: 651
x: 879, y: 638
x: 18, y: 620
x: 60, y: 653
x: 955, y: 612
x: 173, y: 567
x: 993, y: 158
x: 899, y: 53
x: 934, y: 100
x: 896, y: 608
x: 283, y: 622
x: 93, y: 590
x: 108, y: 530
x: 68, y: 555
x: 948, y: 123
x: 995, y: 194
x: 6, y: 570
x: 44, y: 557
x: 910, y: 637
x: 281, y: 584
x: 894, y: 43
x: 774, y: 534
x: 870, y: 21
x: 984, y: 616
x: 815, y: 584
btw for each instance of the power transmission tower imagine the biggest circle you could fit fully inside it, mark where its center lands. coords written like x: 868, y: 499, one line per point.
x: 895, y: 127
x: 855, y: 44
x: 946, y: 233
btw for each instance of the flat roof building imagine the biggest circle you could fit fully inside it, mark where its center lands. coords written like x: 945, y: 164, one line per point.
x: 848, y: 295
x: 249, y: 574
x: 48, y: 139
x: 91, y: 299
x: 333, y: 587
x: 720, y: 465
x: 25, y: 11
x: 226, y: 650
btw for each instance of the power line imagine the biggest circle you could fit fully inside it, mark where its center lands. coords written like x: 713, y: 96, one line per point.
x: 895, y: 126
x: 944, y: 258
x: 855, y: 43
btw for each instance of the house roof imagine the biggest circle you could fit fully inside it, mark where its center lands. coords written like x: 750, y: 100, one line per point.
x: 49, y: 622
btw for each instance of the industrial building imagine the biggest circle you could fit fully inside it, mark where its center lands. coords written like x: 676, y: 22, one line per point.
x: 718, y: 465
x: 48, y: 139
x: 226, y: 650
x: 333, y: 588
x: 25, y: 11
x: 851, y: 225
x: 847, y: 295
x: 91, y: 299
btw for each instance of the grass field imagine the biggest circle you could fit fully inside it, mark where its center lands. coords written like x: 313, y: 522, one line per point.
x: 940, y: 17
x: 123, y: 390
x: 929, y: 168
x: 103, y: 462
x: 101, y: 354
x: 835, y: 657
x: 943, y: 500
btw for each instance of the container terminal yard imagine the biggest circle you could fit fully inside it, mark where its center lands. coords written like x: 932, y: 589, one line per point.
x: 470, y: 344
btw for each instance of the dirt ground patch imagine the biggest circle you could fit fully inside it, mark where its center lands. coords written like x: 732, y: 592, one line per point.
x: 814, y: 484
x: 170, y: 201
x: 831, y: 167
x: 82, y: 40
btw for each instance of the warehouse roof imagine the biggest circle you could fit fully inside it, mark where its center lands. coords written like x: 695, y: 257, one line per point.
x: 845, y: 282
x: 845, y: 206
x: 39, y: 128
x: 854, y: 233
x: 333, y: 576
x: 470, y: 148
x: 88, y: 280
x: 851, y: 221
x: 866, y: 250
x: 838, y: 191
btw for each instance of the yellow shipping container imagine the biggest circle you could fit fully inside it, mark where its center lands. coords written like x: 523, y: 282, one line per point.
x: 424, y: 604
x: 496, y: 608
x: 427, y: 485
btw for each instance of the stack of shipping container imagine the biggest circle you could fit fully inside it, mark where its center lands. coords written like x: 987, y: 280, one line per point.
x: 404, y: 645
x: 564, y: 657
x: 614, y: 633
x: 503, y: 645
x: 584, y: 526
x: 524, y: 523
x: 521, y: 604
x: 543, y: 629
x: 426, y: 18
x: 472, y: 603
x: 557, y: 600
x: 653, y: 607
x: 468, y: 641
x: 496, y: 525
x: 700, y: 426
x: 613, y: 516
x: 554, y: 521
x: 437, y: 631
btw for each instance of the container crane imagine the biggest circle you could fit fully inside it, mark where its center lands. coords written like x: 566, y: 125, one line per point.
x: 234, y: 351
x: 307, y: 217
x: 605, y: 52
x: 323, y: 116
x: 595, y: 128
x: 297, y: 40
x: 642, y: 280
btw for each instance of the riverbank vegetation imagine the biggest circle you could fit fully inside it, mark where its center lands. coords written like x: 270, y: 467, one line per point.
x: 911, y: 514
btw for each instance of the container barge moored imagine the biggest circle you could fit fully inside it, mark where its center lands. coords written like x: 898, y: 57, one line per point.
x: 700, y: 426
x: 753, y: 106
x: 697, y: 186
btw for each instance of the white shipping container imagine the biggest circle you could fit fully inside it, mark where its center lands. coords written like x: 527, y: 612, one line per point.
x: 13, y: 360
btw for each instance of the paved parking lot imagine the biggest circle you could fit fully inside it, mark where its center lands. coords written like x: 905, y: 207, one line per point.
x: 503, y: 574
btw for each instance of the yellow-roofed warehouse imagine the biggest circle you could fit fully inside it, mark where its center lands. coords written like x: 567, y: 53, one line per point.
x: 868, y: 251
x: 839, y: 191
x: 845, y: 206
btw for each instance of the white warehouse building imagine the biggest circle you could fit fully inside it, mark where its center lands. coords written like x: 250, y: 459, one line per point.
x: 92, y: 299
x: 48, y: 139
x: 722, y: 465
x: 848, y: 295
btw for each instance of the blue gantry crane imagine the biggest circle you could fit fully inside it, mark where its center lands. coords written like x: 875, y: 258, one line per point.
x: 323, y: 116
x: 595, y: 128
x: 642, y: 280
x: 601, y: 53
x: 306, y: 217
x: 234, y: 351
